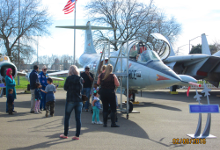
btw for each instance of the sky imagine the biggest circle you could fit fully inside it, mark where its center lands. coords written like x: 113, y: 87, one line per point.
x: 195, y: 16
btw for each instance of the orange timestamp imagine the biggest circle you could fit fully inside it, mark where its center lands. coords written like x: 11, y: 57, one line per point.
x: 188, y: 141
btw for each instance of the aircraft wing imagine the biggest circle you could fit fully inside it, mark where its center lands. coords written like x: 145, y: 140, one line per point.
x: 63, y: 72
x: 21, y: 73
x: 56, y: 79
x: 187, y: 59
x: 86, y: 27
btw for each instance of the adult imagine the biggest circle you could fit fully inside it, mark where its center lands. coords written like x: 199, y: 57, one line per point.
x: 108, y: 82
x: 33, y: 80
x: 87, y: 84
x: 10, y: 84
x: 43, y: 81
x: 73, y: 85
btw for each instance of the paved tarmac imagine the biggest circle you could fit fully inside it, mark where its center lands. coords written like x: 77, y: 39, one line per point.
x: 161, y: 118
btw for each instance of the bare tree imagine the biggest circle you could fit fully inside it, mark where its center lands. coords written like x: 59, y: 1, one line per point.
x: 26, y: 54
x: 132, y: 19
x: 34, y: 20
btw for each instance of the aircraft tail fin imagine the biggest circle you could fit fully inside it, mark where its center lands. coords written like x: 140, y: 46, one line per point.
x: 89, y: 47
x: 205, y: 45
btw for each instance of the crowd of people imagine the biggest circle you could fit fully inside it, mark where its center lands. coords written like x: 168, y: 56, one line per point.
x: 77, y: 85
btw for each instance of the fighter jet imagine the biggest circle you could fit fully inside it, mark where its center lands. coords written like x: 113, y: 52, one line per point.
x: 146, y: 69
x: 200, y: 66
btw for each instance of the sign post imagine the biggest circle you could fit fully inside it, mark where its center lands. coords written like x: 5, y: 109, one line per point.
x: 214, y: 108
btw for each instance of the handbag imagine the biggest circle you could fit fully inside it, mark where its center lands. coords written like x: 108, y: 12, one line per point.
x: 84, y: 98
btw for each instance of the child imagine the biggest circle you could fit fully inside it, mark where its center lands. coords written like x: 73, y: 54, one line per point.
x: 10, y: 101
x: 50, y: 98
x: 38, y: 98
x: 96, y: 88
x: 96, y: 106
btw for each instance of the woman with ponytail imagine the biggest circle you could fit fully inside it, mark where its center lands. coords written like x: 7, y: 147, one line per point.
x: 108, y: 82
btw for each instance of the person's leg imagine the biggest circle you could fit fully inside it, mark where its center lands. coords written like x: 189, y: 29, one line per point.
x: 47, y: 108
x: 93, y: 115
x: 32, y: 100
x: 36, y: 106
x: 52, y: 106
x: 43, y: 101
x: 68, y: 109
x: 78, y: 111
x: 112, y: 101
x: 6, y: 107
x: 10, y: 109
x: 97, y: 114
x: 88, y: 90
x: 105, y: 107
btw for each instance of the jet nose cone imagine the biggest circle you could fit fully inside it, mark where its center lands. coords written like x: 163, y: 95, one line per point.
x: 164, y: 76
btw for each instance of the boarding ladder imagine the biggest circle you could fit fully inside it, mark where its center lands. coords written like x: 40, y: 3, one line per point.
x: 119, y: 74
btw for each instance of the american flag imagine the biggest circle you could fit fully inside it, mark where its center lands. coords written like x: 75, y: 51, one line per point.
x: 69, y: 6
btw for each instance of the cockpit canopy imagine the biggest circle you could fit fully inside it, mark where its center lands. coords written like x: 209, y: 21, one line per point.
x: 141, y: 52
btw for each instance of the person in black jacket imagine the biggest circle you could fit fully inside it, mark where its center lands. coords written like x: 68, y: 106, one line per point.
x: 73, y: 85
x: 10, y: 101
x: 33, y: 80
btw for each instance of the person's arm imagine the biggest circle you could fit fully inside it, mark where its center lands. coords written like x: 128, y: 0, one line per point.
x: 54, y: 91
x: 43, y: 91
x: 116, y: 82
x: 66, y: 84
x: 93, y: 102
x: 36, y: 78
x: 99, y: 82
x: 90, y: 76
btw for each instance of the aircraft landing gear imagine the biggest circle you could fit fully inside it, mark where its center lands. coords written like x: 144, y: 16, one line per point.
x: 130, y: 107
x: 173, y: 89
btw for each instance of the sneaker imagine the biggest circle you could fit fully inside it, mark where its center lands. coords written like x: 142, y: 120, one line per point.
x: 75, y: 138
x: 63, y: 136
x: 99, y: 122
x: 32, y: 111
x: 36, y: 112
x: 39, y: 111
x: 93, y: 122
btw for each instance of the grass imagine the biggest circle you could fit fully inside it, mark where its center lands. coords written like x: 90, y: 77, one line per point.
x: 24, y: 82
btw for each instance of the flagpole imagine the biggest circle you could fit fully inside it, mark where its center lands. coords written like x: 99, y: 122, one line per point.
x: 74, y: 53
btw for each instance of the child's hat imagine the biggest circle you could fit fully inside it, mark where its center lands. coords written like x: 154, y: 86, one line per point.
x: 95, y: 91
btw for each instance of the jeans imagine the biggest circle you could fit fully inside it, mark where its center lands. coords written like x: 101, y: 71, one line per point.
x: 7, y: 107
x: 50, y: 107
x: 95, y: 113
x: 43, y: 101
x: 78, y: 110
x: 87, y: 93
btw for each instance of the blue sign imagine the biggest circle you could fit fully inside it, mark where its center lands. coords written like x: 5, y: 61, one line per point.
x: 213, y: 108
x: 2, y: 85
